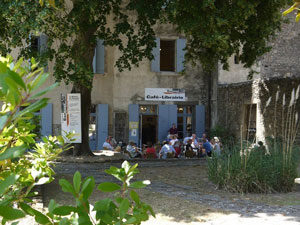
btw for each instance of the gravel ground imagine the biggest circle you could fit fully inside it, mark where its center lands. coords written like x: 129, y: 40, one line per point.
x: 181, y: 193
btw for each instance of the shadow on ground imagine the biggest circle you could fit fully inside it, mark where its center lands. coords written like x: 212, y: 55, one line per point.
x: 182, y: 194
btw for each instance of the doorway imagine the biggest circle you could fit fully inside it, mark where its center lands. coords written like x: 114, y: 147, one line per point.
x: 149, y: 129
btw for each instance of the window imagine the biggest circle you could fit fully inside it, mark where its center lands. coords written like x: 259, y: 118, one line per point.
x: 34, y: 45
x: 185, y: 121
x: 167, y: 55
x: 236, y: 59
x: 250, y: 122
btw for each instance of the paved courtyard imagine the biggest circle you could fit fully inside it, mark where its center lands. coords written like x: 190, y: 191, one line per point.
x: 181, y: 193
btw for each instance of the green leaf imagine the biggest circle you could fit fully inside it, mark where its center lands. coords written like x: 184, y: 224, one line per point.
x: 109, y: 187
x: 102, y: 205
x: 131, y: 220
x: 3, y: 120
x: 135, y: 197
x: 66, y: 186
x: 64, y: 210
x: 39, y: 217
x: 44, y: 91
x: 8, y: 181
x: 9, y: 213
x: 17, y: 79
x: 124, y: 206
x: 13, y: 152
x: 41, y: 103
x: 88, y: 187
x: 39, y: 80
x: 77, y: 181
x: 52, y: 205
x: 139, y: 184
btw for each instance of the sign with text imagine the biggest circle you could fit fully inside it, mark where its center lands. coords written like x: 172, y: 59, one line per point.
x: 164, y: 94
x: 71, y: 116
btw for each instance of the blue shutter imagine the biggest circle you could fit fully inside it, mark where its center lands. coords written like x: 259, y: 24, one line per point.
x: 133, y: 110
x: 99, y: 58
x: 42, y: 42
x: 167, y: 115
x: 180, y: 52
x: 155, y: 63
x: 200, y: 120
x: 46, y: 120
x: 102, y: 124
x: 172, y: 115
x: 43, y: 39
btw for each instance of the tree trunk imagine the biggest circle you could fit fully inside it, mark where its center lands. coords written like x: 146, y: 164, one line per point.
x: 83, y: 148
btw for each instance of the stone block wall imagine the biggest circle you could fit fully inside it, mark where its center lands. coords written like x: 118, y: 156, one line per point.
x: 232, y: 99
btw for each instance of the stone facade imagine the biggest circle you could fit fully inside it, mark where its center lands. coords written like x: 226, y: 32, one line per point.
x: 278, y: 71
x: 234, y: 98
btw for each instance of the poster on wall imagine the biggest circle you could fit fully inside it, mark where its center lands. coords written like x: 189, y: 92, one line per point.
x: 71, y: 116
x: 164, y: 94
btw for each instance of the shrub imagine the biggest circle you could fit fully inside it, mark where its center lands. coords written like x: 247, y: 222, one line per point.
x: 20, y: 172
x: 251, y: 170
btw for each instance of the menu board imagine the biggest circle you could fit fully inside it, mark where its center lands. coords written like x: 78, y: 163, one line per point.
x: 71, y: 116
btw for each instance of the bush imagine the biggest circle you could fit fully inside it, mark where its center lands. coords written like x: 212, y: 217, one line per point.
x: 21, y: 171
x: 251, y: 170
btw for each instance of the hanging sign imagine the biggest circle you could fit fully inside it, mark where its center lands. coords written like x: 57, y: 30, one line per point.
x: 71, y: 116
x: 164, y: 94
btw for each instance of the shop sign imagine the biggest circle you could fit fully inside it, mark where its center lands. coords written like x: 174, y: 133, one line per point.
x: 164, y: 94
x: 71, y: 116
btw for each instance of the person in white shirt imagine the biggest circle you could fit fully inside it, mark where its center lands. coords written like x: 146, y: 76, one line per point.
x: 167, y: 148
x: 107, y: 145
x: 173, y: 140
x: 216, y: 147
x: 133, y: 150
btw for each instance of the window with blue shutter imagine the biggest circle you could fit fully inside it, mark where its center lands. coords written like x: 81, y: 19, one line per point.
x: 167, y: 115
x: 169, y: 55
x: 180, y: 53
x: 99, y: 58
x: 155, y: 63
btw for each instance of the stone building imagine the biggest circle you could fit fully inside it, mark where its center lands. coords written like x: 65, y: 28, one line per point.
x: 252, y: 109
x: 121, y: 107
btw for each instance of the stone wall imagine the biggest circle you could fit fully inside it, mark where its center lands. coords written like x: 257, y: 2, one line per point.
x: 233, y: 98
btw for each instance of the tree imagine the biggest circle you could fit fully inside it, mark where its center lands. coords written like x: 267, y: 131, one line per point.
x: 221, y: 28
x: 216, y: 29
x: 72, y: 29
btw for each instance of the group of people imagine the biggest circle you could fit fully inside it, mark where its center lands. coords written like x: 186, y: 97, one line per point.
x: 190, y: 147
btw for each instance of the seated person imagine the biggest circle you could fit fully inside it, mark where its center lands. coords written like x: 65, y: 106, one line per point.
x: 207, y: 146
x: 189, y: 151
x: 173, y: 139
x: 133, y: 150
x: 150, y: 152
x: 167, y: 148
x: 107, y: 145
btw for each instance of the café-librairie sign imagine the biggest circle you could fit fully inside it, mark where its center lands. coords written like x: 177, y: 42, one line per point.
x: 164, y: 94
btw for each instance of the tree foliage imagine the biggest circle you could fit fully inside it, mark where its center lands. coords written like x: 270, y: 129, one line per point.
x: 220, y: 28
x: 72, y: 29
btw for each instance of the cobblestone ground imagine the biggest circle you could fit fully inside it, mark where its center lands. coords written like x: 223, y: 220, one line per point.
x: 181, y: 193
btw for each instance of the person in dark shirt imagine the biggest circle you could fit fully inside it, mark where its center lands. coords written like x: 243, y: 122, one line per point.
x: 189, y: 152
x: 173, y: 130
